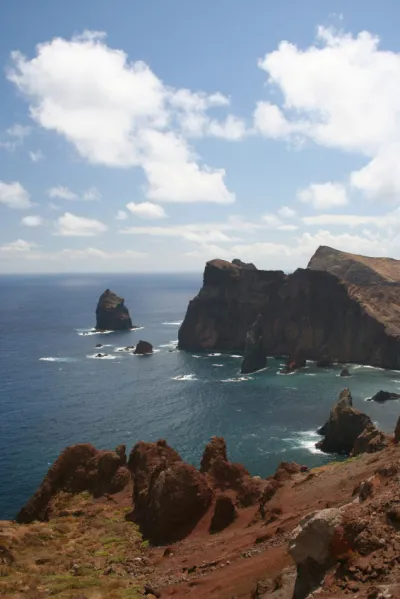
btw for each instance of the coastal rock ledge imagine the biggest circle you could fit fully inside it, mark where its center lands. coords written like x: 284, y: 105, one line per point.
x: 342, y: 308
x: 111, y: 313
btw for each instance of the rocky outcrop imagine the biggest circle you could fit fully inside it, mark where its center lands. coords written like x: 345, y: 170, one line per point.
x: 143, y: 348
x: 344, y: 426
x: 111, y: 313
x: 224, y: 513
x: 355, y: 269
x: 169, y: 496
x: 345, y: 372
x: 309, y: 313
x: 254, y: 354
x: 369, y: 441
x: 292, y: 364
x: 225, y: 475
x: 238, y: 262
x: 78, y: 468
x: 382, y: 396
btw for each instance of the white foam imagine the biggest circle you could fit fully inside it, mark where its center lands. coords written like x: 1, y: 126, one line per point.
x: 307, y: 441
x: 103, y: 357
x: 217, y: 365
x: 235, y: 356
x: 185, y: 377
x: 173, y: 324
x: 393, y: 381
x: 310, y: 374
x: 213, y: 355
x: 88, y: 332
x: 56, y: 359
x: 124, y: 349
x: 238, y: 379
x: 172, y: 344
x: 193, y: 356
x: 286, y: 373
x: 137, y: 329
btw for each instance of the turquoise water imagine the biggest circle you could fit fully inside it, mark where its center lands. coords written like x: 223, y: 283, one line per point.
x: 54, y: 393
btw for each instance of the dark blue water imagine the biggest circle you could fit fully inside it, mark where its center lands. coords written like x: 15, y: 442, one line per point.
x: 74, y: 397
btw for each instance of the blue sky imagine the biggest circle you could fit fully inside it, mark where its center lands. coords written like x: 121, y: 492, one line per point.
x: 153, y: 136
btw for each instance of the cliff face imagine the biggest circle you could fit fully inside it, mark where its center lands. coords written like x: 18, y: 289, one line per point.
x: 309, y: 313
x: 111, y: 313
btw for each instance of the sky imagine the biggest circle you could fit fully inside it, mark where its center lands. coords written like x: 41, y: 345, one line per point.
x: 152, y: 136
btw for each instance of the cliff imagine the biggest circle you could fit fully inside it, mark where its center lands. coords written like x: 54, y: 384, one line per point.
x: 311, y: 312
x: 111, y: 313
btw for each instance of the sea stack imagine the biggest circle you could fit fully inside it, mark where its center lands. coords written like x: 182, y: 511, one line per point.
x: 111, y: 313
x: 254, y: 353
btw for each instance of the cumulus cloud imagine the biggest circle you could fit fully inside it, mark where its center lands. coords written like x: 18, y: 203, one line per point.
x: 120, y: 114
x: 286, y: 212
x: 71, y: 225
x: 146, y: 210
x: 14, y: 195
x: 341, y: 92
x: 323, y: 196
x: 121, y: 215
x: 17, y: 246
x: 32, y: 221
x: 91, y: 195
x: 62, y: 193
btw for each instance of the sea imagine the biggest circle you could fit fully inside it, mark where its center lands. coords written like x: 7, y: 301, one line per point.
x: 54, y: 392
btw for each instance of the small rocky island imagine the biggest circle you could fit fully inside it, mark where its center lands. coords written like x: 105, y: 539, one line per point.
x: 112, y: 314
x: 341, y: 308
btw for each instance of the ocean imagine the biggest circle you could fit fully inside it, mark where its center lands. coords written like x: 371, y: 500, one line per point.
x: 54, y: 392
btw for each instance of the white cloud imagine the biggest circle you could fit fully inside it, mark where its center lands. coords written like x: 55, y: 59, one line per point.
x: 146, y: 210
x: 120, y: 114
x: 121, y: 215
x: 17, y: 246
x: 389, y: 221
x: 380, y: 179
x: 63, y: 193
x: 369, y: 245
x: 19, y: 132
x: 36, y: 156
x: 32, y: 221
x: 174, y: 175
x: 286, y: 212
x: 323, y: 196
x: 207, y: 232
x: 14, y: 195
x: 70, y: 225
x: 92, y: 194
x: 341, y: 92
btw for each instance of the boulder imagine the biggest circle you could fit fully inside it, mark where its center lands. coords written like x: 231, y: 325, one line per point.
x: 111, y: 313
x: 293, y: 363
x: 343, y: 427
x: 383, y: 396
x: 224, y: 513
x: 78, y: 468
x: 345, y: 372
x: 254, y: 353
x: 143, y: 348
x: 311, y: 549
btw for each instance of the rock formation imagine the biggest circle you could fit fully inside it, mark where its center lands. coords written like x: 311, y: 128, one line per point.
x: 78, y: 468
x: 397, y: 431
x: 292, y: 364
x: 382, y: 396
x: 224, y: 475
x: 347, y: 430
x: 169, y: 496
x: 311, y: 313
x: 345, y: 372
x: 355, y: 269
x: 143, y: 348
x: 254, y: 354
x: 111, y: 313
x: 238, y: 262
x: 224, y: 513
